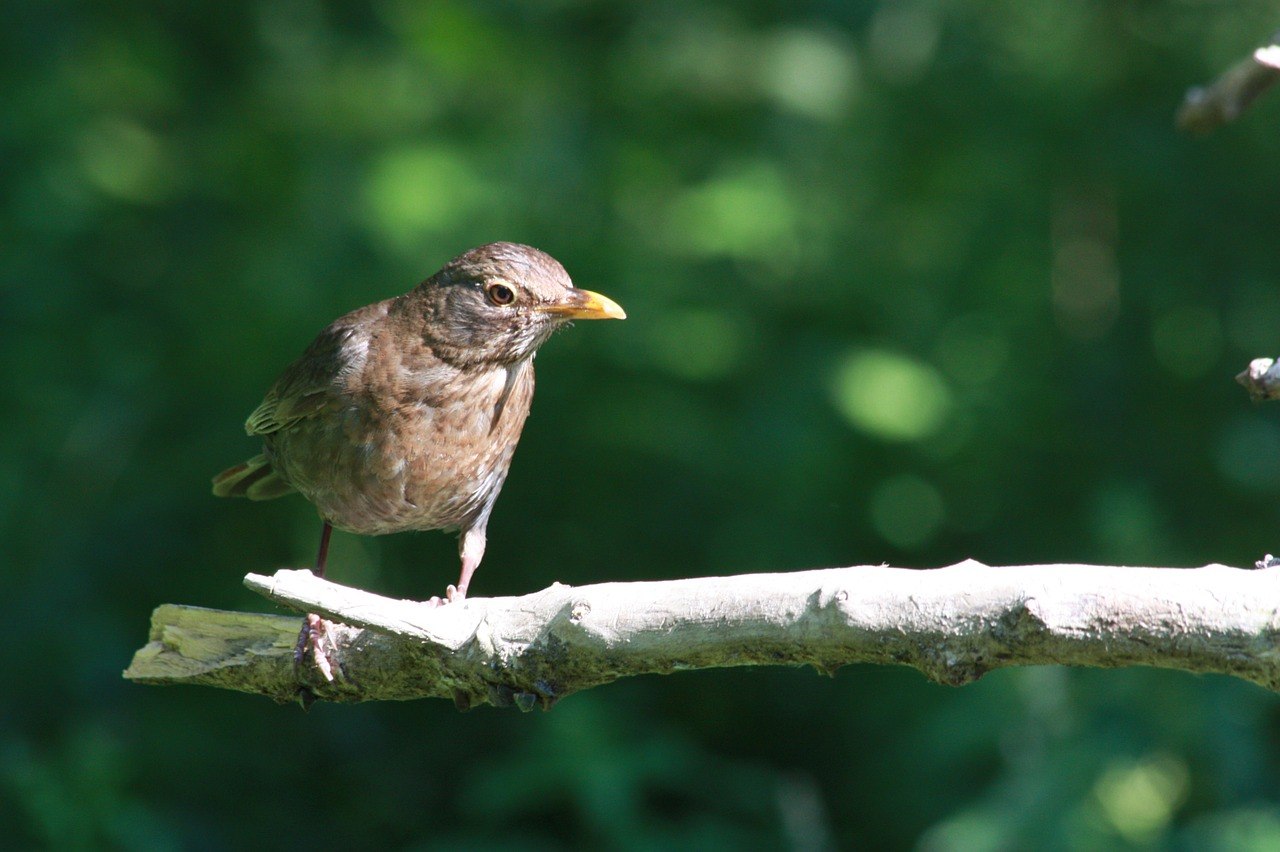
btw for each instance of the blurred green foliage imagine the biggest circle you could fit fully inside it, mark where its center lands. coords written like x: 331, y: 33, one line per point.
x: 909, y: 281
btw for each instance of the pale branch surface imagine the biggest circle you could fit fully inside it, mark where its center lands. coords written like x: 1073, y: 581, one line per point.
x: 953, y: 624
x: 1205, y: 108
x: 1261, y: 379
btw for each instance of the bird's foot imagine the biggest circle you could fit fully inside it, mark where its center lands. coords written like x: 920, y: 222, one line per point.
x: 316, y: 636
x: 452, y: 594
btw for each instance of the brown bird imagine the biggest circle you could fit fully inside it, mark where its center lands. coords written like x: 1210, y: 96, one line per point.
x: 403, y: 415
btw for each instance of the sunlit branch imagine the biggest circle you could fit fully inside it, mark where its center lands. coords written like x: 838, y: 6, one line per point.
x: 1261, y: 378
x: 953, y: 624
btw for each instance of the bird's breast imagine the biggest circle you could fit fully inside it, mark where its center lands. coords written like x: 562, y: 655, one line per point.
x: 429, y: 450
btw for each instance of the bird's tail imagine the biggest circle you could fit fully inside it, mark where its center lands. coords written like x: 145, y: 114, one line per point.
x: 255, y: 479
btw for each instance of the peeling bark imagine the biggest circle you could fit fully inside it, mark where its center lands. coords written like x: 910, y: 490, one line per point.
x: 953, y: 624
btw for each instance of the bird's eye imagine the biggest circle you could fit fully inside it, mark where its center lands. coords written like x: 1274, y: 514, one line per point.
x: 500, y: 294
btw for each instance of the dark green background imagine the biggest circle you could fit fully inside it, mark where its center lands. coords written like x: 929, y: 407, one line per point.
x: 908, y: 282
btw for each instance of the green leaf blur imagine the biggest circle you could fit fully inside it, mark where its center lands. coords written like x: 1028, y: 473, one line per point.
x: 907, y: 282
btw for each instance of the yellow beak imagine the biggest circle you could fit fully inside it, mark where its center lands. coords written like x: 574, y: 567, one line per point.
x: 584, y: 304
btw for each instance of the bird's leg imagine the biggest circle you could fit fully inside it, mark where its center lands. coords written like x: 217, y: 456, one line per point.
x: 315, y: 630
x: 471, y: 549
x: 323, y: 555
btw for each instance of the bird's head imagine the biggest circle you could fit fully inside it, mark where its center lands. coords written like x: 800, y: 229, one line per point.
x: 499, y: 302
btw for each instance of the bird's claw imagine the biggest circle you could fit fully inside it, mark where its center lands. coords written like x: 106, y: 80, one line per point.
x: 451, y: 595
x: 317, y: 637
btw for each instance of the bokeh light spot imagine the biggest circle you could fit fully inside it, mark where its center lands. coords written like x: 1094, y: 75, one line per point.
x: 412, y: 193
x: 809, y: 72
x: 1140, y: 798
x: 1126, y: 521
x: 125, y: 160
x: 903, y: 39
x: 907, y: 511
x: 697, y: 344
x: 1248, y: 453
x: 746, y: 213
x: 891, y: 396
x: 1187, y: 341
x: 1254, y: 828
x: 1086, y: 287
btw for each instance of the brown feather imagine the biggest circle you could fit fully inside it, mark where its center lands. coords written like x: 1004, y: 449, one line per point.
x: 404, y: 414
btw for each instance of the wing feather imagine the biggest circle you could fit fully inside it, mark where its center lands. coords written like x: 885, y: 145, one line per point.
x: 310, y: 383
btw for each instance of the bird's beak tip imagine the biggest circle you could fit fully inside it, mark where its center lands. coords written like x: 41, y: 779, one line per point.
x: 586, y: 304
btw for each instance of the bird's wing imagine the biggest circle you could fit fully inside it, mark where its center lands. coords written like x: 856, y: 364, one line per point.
x: 311, y: 383
x: 282, y: 409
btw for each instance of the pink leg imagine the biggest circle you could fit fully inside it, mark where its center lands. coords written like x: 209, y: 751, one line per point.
x: 471, y: 549
x: 314, y: 635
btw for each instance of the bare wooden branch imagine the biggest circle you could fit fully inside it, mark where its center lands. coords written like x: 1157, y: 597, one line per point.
x: 1261, y: 379
x: 953, y: 624
x: 1205, y: 108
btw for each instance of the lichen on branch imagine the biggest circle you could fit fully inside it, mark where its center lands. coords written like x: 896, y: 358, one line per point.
x: 953, y: 624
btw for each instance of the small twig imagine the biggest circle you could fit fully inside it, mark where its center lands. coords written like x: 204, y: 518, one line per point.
x: 1261, y: 379
x: 1205, y: 108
